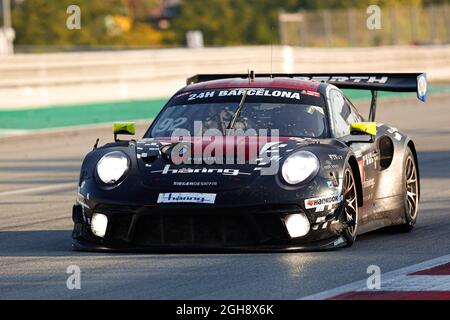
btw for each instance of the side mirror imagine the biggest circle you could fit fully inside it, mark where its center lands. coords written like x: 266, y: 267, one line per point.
x: 127, y: 128
x: 361, y: 132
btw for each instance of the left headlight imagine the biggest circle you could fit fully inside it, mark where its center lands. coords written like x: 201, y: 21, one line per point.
x: 299, y: 166
x: 112, y: 166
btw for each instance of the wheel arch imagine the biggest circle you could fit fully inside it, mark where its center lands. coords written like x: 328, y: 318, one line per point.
x: 355, y: 168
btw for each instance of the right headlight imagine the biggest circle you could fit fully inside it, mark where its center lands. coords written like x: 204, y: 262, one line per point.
x: 112, y: 166
x: 299, y: 166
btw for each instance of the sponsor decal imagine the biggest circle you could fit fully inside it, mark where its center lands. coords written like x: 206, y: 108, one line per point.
x: 369, y: 183
x: 173, y: 197
x: 223, y: 171
x: 335, y: 157
x: 323, y: 203
x: 371, y: 159
x: 354, y: 79
x: 322, y: 226
x: 397, y: 135
x: 328, y: 165
x: 196, y: 183
x: 251, y: 92
x: 311, y: 93
x: 320, y: 219
x: 201, y: 95
x: 226, y: 172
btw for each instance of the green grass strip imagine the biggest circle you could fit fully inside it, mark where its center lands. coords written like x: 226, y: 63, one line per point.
x: 75, y: 115
x: 84, y: 114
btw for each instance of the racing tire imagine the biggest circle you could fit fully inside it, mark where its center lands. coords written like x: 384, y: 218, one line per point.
x: 350, y: 207
x: 410, y: 192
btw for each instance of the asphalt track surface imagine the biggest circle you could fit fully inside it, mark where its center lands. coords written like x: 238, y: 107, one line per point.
x: 38, y: 176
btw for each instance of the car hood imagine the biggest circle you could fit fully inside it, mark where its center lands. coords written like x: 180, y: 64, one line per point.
x: 212, y: 164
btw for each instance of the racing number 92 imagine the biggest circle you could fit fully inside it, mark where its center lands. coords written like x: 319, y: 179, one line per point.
x: 170, y: 124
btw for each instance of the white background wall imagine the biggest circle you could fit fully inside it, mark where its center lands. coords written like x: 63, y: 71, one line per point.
x: 30, y: 80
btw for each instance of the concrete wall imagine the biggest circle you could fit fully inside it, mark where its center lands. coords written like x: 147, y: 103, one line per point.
x: 29, y: 80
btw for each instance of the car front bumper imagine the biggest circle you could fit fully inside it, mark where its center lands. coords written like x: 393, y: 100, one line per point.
x: 164, y: 229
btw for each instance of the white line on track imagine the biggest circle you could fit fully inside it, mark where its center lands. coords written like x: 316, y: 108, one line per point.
x: 39, y: 189
x: 362, y: 284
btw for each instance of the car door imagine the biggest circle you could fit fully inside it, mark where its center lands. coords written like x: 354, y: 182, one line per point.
x: 343, y: 114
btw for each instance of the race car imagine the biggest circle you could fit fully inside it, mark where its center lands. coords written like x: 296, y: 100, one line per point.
x: 275, y: 162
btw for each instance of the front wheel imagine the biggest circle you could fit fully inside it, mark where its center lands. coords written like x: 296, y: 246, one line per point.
x: 350, y: 208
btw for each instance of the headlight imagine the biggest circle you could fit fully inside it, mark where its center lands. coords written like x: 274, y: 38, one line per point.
x: 299, y: 167
x: 99, y: 223
x: 112, y: 166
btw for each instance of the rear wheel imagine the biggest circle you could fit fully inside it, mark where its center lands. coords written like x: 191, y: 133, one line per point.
x: 410, y: 192
x: 350, y: 208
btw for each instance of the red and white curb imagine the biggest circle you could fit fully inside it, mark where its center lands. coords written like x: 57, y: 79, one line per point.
x: 429, y: 280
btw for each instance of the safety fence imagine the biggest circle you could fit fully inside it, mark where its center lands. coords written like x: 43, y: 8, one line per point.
x: 349, y: 27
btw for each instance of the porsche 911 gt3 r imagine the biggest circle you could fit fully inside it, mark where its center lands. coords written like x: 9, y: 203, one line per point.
x: 254, y: 162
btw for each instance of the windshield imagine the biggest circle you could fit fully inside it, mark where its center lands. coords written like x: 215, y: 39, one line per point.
x: 300, y: 116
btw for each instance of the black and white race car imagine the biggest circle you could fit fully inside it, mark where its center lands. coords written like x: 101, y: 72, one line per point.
x: 253, y: 162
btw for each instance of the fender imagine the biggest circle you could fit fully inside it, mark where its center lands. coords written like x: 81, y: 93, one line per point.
x: 388, y: 195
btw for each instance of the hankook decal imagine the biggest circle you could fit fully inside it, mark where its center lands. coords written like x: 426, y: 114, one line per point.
x: 323, y: 203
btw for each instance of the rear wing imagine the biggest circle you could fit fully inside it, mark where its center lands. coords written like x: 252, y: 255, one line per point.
x: 396, y: 82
